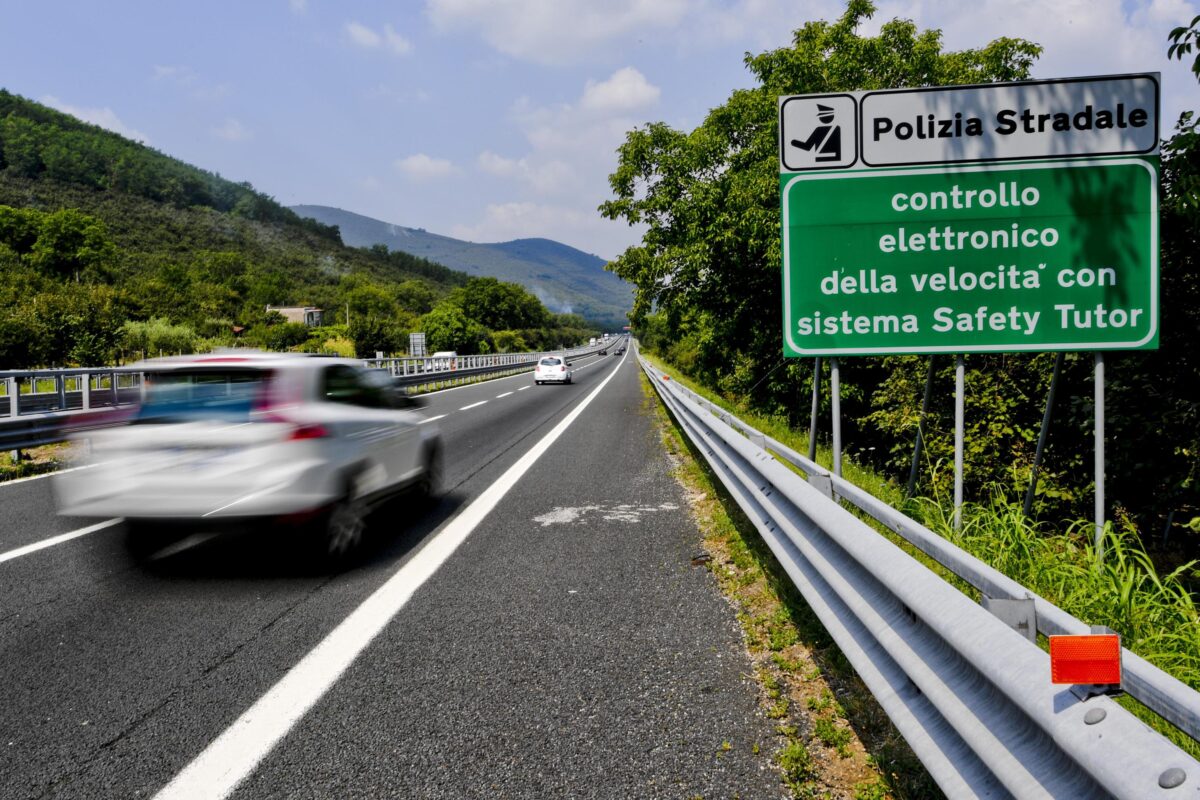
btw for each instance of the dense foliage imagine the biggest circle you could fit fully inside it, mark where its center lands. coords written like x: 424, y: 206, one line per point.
x: 708, y: 292
x: 40, y: 142
x: 110, y: 250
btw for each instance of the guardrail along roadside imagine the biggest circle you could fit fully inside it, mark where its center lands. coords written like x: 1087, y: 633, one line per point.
x: 972, y: 696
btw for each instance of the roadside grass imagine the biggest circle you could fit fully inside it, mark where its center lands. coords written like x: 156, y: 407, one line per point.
x: 833, y: 739
x: 35, y: 461
x: 1155, y: 614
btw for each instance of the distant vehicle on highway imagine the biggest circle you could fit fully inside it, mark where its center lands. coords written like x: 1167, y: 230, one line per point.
x: 620, y: 350
x: 552, y: 369
x: 228, y: 440
x: 444, y: 359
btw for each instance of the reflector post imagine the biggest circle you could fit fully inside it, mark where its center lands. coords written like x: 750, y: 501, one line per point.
x: 1090, y: 659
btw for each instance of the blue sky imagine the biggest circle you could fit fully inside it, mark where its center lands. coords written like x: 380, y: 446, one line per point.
x: 486, y: 120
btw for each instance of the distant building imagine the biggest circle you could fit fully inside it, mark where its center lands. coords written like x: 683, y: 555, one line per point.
x: 309, y: 315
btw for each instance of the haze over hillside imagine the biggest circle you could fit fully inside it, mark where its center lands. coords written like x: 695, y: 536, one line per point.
x: 567, y: 280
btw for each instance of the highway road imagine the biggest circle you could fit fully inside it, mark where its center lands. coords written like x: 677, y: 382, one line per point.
x: 541, y: 632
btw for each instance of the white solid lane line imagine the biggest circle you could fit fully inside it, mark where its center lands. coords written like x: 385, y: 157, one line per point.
x: 62, y: 537
x: 233, y: 755
x: 473, y: 405
x: 506, y: 394
x: 46, y: 475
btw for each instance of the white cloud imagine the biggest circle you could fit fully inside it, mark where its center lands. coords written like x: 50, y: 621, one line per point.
x: 103, y: 117
x: 421, y: 167
x: 395, y: 42
x: 186, y: 78
x: 555, y: 32
x: 175, y: 74
x: 626, y: 90
x: 369, y: 39
x: 546, y: 177
x: 363, y: 36
x: 1080, y: 37
x: 504, y: 221
x: 231, y: 130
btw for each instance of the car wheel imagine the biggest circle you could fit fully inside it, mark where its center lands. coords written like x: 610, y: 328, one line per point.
x: 341, y: 531
x: 430, y: 486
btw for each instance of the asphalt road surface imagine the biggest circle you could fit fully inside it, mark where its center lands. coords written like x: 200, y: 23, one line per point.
x: 540, y: 633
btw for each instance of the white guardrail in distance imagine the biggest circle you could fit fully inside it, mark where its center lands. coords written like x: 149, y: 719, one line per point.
x: 971, y: 695
x: 49, y: 405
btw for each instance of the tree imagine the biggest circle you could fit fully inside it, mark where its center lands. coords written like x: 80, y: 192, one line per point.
x: 709, y: 259
x: 416, y: 296
x: 1183, y: 40
x: 447, y: 327
x: 500, y: 305
x: 72, y: 244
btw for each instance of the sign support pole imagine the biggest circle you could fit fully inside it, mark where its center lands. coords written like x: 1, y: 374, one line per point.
x: 1099, y: 379
x: 916, y: 459
x: 835, y: 390
x: 958, y: 440
x: 1042, y: 435
x: 816, y: 395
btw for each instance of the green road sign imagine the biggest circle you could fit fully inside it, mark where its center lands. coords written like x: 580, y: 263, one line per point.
x: 1047, y: 256
x: 1001, y: 217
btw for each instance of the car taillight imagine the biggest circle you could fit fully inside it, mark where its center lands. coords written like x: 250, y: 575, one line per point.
x: 309, y: 431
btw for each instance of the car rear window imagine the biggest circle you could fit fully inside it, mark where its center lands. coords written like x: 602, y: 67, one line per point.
x: 187, y: 395
x: 551, y: 362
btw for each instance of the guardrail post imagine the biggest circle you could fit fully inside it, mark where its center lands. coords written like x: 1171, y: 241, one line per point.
x: 60, y: 381
x: 14, y: 393
x: 112, y: 384
x: 1019, y: 614
x: 86, y: 379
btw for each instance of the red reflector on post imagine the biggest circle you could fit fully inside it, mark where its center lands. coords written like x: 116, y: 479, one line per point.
x: 1094, y: 658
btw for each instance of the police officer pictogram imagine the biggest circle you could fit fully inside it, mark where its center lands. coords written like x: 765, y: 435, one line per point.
x: 818, y: 133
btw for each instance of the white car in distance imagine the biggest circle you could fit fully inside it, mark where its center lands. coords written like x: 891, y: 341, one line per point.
x: 552, y: 369
x: 243, y: 439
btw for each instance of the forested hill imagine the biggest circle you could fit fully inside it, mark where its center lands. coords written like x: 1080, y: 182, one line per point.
x: 110, y: 249
x: 42, y: 143
x: 564, y: 278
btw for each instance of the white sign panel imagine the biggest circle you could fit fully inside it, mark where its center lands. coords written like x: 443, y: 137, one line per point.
x: 822, y: 132
x: 1071, y: 117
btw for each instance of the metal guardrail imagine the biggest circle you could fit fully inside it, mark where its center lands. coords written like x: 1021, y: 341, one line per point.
x: 41, y: 414
x: 971, y: 695
x: 418, y: 371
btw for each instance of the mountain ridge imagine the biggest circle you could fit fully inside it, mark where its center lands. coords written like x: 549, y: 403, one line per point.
x: 564, y: 278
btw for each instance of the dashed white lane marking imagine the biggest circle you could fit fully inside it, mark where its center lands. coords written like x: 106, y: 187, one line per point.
x: 523, y: 388
x: 506, y: 394
x: 473, y: 405
x: 431, y: 419
x: 62, y: 537
x: 225, y: 763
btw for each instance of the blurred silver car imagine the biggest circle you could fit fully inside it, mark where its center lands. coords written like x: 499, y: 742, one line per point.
x: 552, y: 369
x: 249, y: 437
